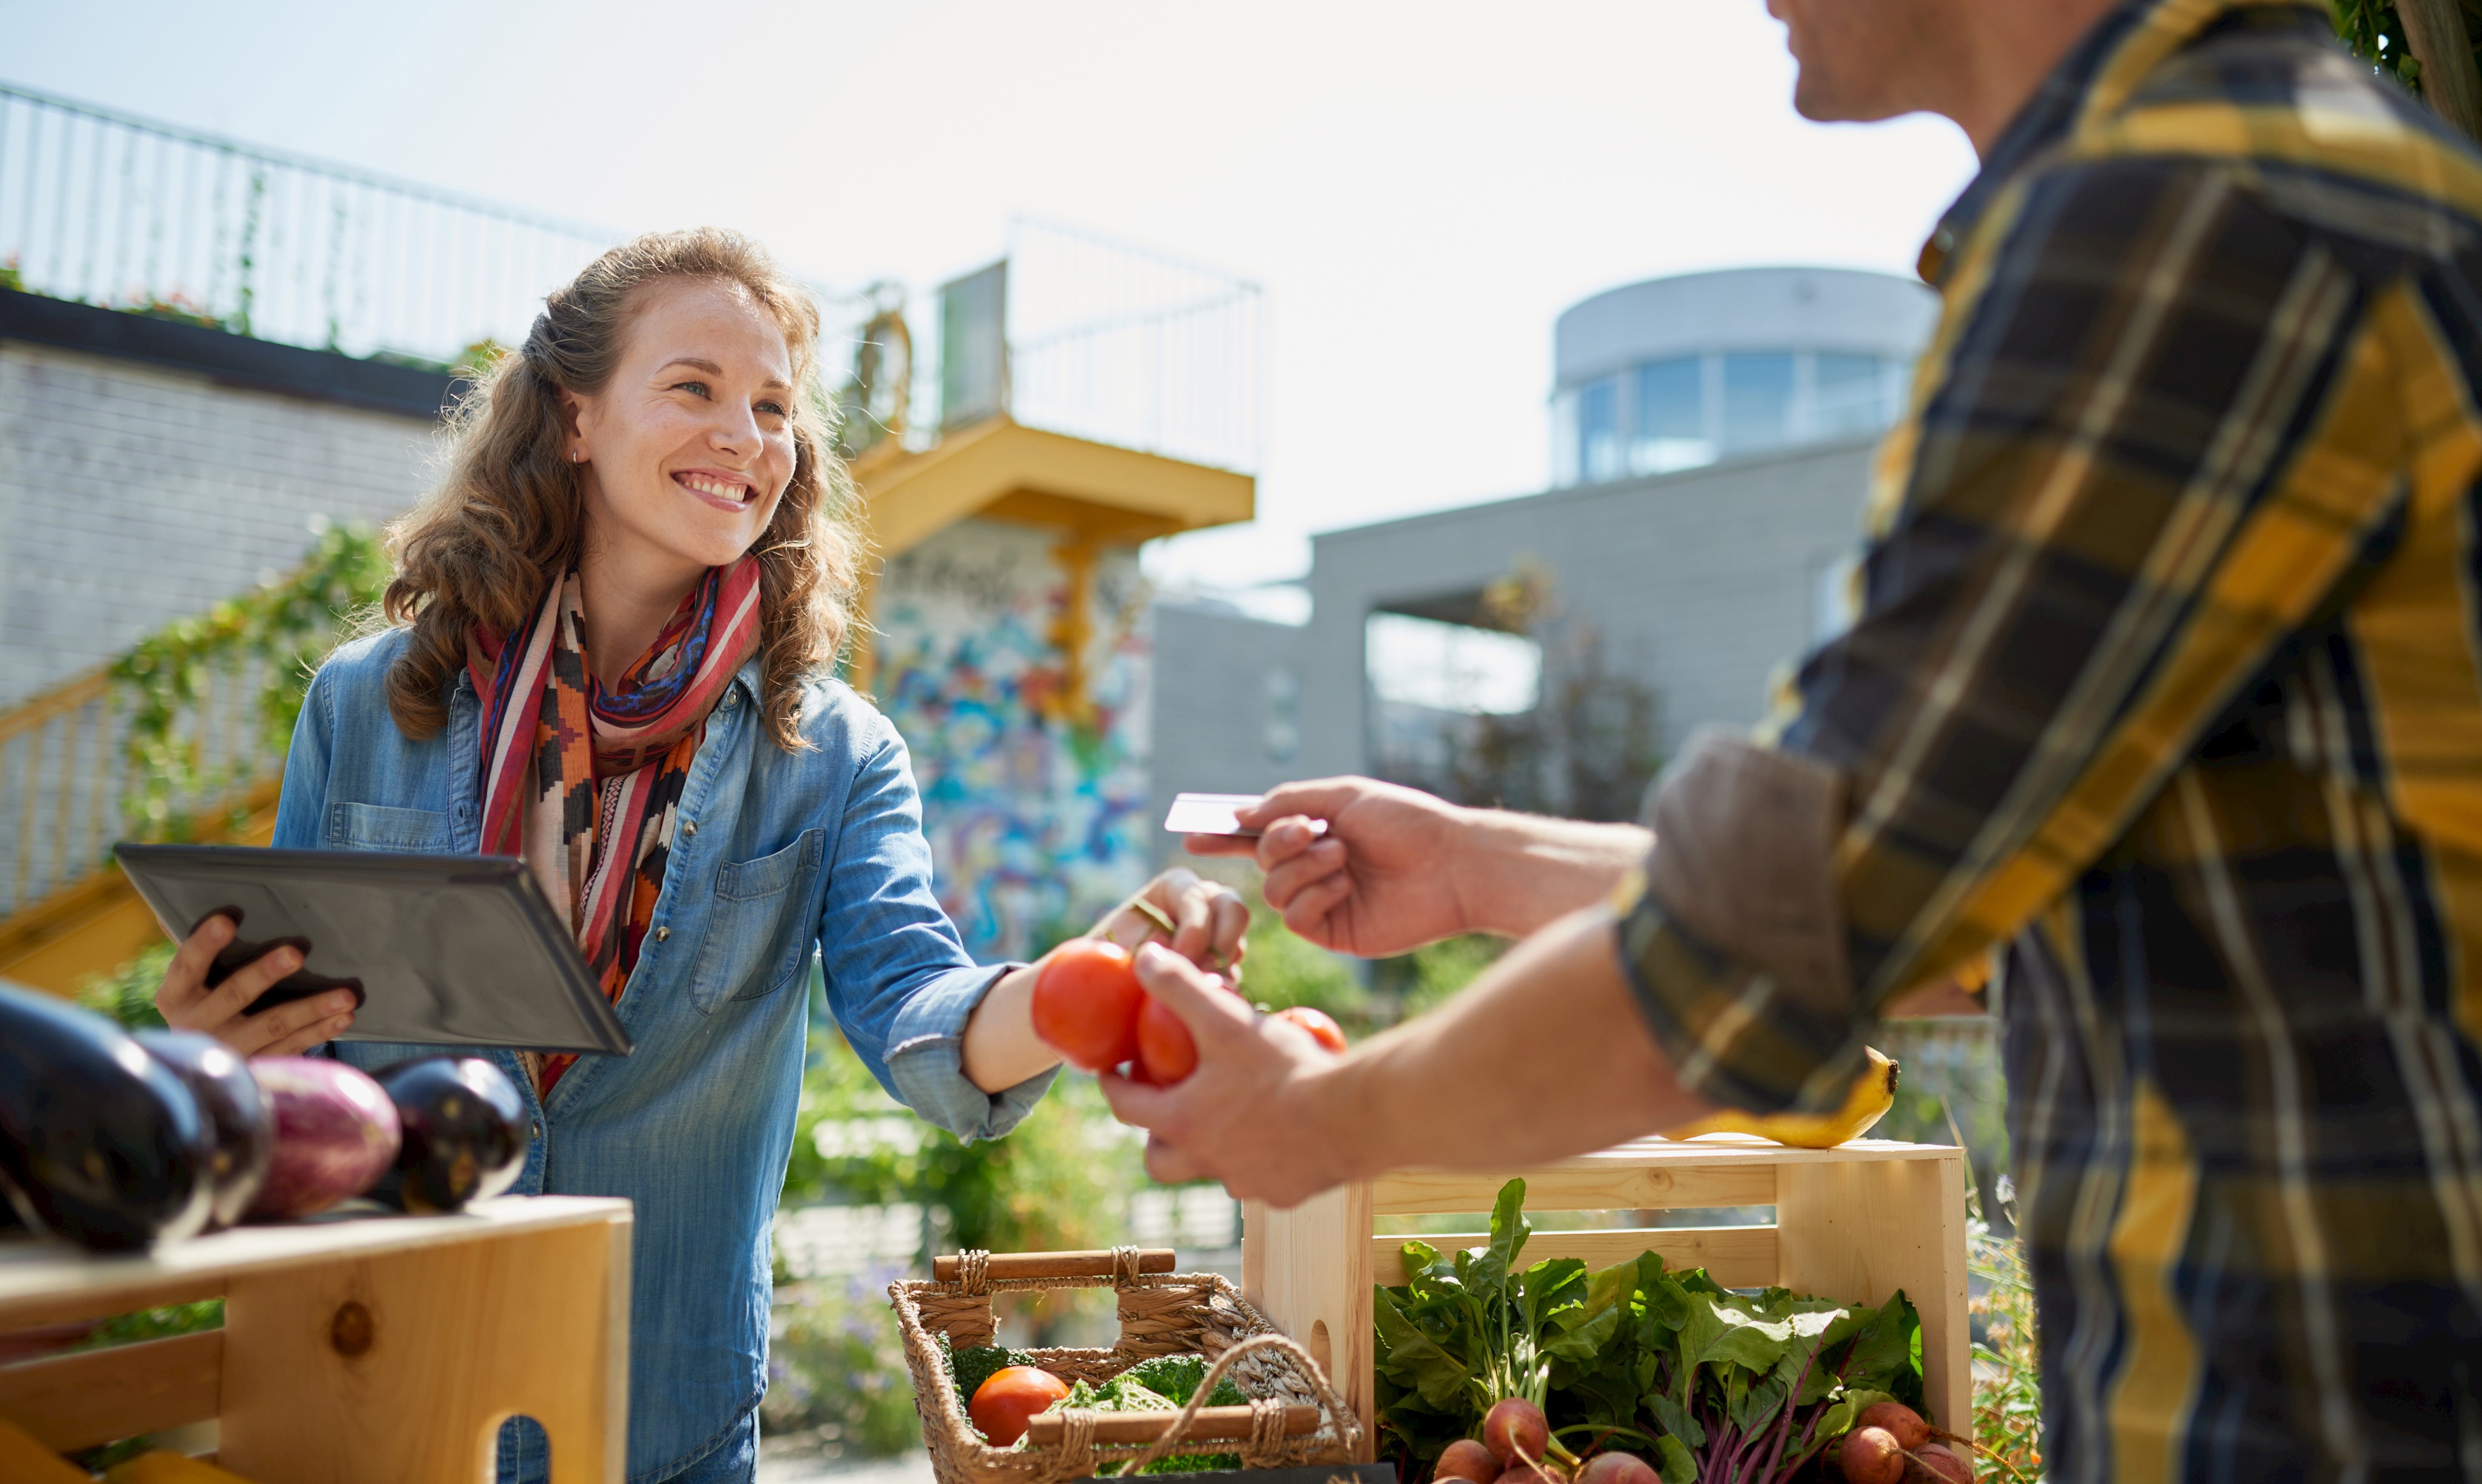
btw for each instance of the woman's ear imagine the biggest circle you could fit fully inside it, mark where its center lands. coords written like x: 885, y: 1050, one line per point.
x: 572, y: 414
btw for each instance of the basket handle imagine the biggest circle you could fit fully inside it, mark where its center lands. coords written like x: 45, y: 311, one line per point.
x: 1052, y: 1265
x: 1209, y: 1424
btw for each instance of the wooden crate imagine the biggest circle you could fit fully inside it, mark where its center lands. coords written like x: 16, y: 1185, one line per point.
x: 375, y: 1348
x: 1854, y: 1223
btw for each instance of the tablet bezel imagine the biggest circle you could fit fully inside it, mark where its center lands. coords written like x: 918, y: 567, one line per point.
x: 151, y: 870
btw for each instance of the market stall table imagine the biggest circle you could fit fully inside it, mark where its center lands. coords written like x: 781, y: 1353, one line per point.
x: 380, y: 1348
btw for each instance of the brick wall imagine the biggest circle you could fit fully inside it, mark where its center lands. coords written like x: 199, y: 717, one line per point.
x: 133, y: 494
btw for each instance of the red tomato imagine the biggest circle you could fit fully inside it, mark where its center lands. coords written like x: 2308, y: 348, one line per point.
x: 1009, y: 1397
x: 1085, y: 1003
x: 1319, y: 1023
x: 1166, y: 1050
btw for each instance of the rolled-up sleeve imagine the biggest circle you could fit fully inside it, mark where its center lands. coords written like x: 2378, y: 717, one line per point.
x: 899, y: 980
x: 2152, y: 441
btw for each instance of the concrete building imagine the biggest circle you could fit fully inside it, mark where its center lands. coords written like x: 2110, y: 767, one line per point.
x: 1713, y: 438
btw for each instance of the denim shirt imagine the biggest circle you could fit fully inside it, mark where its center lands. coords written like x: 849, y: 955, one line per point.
x: 776, y: 854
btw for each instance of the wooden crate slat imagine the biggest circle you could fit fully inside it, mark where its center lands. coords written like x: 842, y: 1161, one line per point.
x: 41, y: 1277
x: 76, y: 1401
x: 27, y: 1311
x: 1735, y: 1257
x: 1860, y: 1232
x: 1578, y: 1188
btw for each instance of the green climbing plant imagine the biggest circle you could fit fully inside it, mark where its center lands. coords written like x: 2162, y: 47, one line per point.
x: 2375, y: 33
x: 286, y: 626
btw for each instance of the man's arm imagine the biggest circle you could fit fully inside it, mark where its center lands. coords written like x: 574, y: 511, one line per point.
x: 1541, y: 1057
x: 2158, y: 433
x: 1373, y: 869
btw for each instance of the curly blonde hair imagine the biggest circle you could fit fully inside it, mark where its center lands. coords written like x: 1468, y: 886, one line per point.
x: 508, y: 519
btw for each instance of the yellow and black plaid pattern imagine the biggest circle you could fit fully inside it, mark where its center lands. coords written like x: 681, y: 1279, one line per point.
x: 2168, y: 679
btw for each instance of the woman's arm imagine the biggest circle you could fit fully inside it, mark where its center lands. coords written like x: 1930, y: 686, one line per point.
x: 1206, y: 923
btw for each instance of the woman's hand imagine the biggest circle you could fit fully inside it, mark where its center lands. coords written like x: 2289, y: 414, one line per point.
x: 287, y: 1031
x: 1201, y: 921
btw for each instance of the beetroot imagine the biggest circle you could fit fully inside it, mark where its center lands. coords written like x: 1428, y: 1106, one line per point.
x: 1904, y: 1422
x: 238, y: 1121
x: 1527, y: 1473
x: 1869, y: 1455
x: 1468, y: 1460
x: 1516, y: 1432
x: 1942, y: 1461
x: 336, y: 1133
x: 1618, y: 1468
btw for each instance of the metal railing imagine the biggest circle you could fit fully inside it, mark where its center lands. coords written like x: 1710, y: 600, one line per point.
x: 69, y: 788
x: 109, y: 208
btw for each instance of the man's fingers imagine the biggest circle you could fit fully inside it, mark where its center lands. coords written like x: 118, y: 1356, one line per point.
x: 1192, y: 994
x: 1218, y: 845
x: 1307, y: 914
x: 1134, y: 1103
x: 1169, y: 1166
x: 1319, y: 799
x: 1320, y: 863
x: 1284, y: 840
x: 1194, y: 920
x: 303, y: 1041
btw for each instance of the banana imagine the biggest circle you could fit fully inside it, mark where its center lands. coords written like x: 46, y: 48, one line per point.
x: 1873, y: 1094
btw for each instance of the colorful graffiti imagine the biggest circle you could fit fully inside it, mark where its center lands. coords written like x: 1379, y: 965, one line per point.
x: 1034, y: 819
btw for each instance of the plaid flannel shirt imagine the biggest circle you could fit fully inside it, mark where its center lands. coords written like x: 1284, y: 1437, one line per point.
x: 2167, y: 685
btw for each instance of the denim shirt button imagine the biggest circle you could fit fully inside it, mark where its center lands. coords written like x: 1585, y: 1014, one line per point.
x: 538, y: 1131
x: 663, y: 935
x: 689, y: 827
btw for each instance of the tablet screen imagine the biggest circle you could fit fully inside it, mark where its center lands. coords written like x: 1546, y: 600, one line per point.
x: 454, y: 950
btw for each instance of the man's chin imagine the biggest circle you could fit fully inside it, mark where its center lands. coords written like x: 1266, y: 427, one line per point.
x: 1822, y: 102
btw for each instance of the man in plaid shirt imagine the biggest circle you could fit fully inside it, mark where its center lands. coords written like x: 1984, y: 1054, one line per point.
x: 2165, y: 696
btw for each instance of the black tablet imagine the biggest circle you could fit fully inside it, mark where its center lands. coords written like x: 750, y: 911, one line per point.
x: 453, y: 950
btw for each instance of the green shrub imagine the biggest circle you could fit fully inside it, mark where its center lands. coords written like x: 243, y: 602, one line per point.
x: 837, y: 1370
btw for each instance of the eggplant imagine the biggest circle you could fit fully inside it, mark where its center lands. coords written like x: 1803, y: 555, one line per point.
x: 336, y: 1133
x: 464, y: 1133
x: 99, y: 1142
x: 242, y: 1126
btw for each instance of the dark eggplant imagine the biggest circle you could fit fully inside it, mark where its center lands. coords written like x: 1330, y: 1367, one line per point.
x: 244, y: 1127
x: 464, y: 1133
x: 99, y: 1142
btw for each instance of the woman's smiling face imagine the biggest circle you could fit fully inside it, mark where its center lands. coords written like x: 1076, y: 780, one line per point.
x: 689, y: 445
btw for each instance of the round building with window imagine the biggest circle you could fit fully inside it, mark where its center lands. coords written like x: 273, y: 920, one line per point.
x: 1676, y: 373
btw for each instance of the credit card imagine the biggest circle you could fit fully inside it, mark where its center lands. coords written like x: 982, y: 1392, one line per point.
x: 1214, y: 813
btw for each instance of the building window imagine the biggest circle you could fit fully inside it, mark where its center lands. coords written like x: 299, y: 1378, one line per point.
x: 1283, y: 715
x: 1757, y: 401
x: 1599, y: 430
x: 1452, y: 666
x: 1671, y: 431
x: 1851, y: 397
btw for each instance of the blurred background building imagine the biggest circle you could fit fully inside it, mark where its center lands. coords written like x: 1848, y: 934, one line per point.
x: 1711, y: 438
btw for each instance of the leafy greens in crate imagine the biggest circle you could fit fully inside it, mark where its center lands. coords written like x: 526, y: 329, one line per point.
x: 1709, y: 1384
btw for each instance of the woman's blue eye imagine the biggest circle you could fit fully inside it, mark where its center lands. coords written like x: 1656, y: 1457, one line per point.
x: 775, y: 409
x: 693, y: 388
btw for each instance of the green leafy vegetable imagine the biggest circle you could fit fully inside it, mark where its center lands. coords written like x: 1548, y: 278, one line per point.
x: 973, y: 1365
x: 1128, y: 1392
x: 1713, y: 1385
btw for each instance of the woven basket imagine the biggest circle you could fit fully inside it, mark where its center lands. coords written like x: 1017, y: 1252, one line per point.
x: 1295, y: 1418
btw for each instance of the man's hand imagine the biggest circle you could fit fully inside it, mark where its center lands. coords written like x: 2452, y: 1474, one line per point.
x: 1396, y: 868
x: 1380, y: 881
x: 1258, y: 1113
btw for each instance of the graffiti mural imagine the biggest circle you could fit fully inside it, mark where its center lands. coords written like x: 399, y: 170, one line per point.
x: 1033, y: 804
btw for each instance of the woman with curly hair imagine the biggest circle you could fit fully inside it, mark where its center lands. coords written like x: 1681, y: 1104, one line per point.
x: 611, y: 635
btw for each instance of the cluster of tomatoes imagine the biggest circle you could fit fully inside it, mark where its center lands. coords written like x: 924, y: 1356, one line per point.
x: 1089, y: 1007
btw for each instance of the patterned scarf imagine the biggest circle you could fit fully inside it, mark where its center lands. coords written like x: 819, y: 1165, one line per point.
x: 583, y: 782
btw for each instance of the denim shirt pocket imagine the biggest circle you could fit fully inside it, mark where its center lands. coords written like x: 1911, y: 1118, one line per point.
x: 380, y: 827
x: 757, y: 927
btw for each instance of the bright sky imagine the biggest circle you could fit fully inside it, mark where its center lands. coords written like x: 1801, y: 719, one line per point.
x: 1420, y: 187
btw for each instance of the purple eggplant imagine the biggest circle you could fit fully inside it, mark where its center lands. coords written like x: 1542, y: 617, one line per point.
x: 244, y: 1128
x: 99, y: 1142
x: 464, y: 1133
x: 336, y: 1133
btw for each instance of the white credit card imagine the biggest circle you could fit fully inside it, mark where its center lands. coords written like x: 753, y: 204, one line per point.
x: 1214, y: 813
